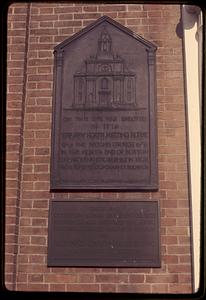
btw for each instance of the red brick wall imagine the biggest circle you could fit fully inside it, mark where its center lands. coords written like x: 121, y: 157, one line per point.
x: 33, y: 31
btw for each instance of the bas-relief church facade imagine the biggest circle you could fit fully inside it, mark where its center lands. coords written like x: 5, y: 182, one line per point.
x: 105, y: 81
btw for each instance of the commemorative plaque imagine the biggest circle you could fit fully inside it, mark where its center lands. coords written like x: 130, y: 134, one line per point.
x: 104, y: 234
x: 104, y: 117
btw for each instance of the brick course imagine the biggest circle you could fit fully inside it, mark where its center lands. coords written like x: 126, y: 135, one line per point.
x: 34, y: 29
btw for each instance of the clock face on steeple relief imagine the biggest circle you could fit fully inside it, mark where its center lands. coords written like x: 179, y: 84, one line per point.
x: 104, y: 129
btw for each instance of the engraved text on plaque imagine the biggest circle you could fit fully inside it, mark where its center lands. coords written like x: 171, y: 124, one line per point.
x: 98, y: 233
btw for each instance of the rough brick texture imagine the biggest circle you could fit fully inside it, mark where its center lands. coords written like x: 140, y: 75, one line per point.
x: 33, y: 31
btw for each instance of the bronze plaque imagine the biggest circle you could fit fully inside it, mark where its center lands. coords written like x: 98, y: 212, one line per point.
x: 104, y: 117
x: 104, y: 234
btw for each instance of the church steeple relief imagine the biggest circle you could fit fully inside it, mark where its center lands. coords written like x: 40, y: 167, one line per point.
x: 104, y: 45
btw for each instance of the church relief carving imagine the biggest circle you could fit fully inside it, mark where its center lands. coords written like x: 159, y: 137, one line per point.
x: 104, y: 81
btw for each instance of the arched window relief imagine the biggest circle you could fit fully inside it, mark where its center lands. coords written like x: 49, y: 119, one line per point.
x: 80, y: 83
x: 104, y: 84
x: 129, y: 84
x: 80, y: 89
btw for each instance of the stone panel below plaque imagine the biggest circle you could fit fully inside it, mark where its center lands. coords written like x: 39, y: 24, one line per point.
x: 104, y: 234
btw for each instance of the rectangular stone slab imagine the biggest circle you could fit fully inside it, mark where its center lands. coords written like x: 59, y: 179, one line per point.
x: 104, y: 234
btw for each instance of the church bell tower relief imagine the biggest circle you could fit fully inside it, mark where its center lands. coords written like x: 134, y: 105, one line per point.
x: 105, y: 78
x: 104, y: 44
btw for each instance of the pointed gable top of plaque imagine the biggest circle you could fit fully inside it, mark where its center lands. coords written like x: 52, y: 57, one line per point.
x: 105, y: 19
